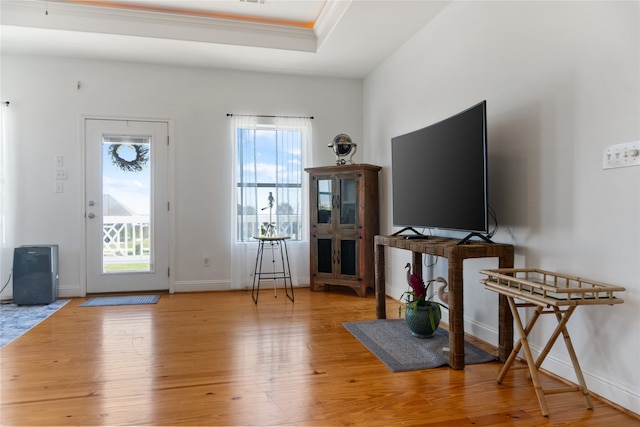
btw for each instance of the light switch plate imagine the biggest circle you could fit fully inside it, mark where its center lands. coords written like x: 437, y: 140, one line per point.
x: 621, y: 155
x: 61, y: 174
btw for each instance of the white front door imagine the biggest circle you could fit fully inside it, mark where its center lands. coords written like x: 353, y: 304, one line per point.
x: 126, y: 205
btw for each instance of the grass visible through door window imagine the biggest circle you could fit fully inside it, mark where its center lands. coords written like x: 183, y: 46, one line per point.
x: 141, y: 266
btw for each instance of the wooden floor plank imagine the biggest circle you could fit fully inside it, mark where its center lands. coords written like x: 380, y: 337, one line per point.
x: 218, y: 359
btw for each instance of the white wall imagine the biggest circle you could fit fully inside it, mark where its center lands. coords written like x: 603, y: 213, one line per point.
x: 561, y: 80
x: 45, y: 121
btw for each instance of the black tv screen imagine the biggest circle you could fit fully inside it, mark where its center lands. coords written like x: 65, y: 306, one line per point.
x: 439, y: 174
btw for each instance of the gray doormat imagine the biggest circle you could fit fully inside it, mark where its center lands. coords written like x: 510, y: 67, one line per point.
x: 392, y: 343
x: 121, y: 300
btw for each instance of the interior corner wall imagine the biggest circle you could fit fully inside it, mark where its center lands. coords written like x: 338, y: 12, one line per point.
x: 50, y: 96
x: 561, y: 81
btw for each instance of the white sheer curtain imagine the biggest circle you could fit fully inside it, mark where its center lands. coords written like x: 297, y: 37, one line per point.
x: 281, y: 164
x: 4, y: 267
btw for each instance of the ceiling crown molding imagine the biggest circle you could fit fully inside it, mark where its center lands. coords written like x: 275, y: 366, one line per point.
x: 162, y: 25
x: 329, y: 18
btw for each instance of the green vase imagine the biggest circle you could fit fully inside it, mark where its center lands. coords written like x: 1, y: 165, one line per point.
x: 424, y: 321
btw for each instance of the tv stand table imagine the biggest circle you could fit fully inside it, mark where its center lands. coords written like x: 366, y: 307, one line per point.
x: 455, y: 254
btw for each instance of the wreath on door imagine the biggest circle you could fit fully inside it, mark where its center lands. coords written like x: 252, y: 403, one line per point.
x: 135, y: 165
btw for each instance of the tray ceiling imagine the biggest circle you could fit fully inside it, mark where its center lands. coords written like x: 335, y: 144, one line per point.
x: 341, y: 38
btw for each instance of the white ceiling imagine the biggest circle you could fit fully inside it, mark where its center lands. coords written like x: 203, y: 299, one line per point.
x: 338, y: 38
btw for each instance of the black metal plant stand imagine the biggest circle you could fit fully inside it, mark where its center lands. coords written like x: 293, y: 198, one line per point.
x: 284, y: 274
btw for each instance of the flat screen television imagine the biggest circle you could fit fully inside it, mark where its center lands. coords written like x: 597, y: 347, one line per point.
x: 439, y: 175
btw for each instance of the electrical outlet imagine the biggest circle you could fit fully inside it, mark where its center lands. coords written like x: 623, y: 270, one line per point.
x: 59, y: 161
x: 59, y: 188
x: 621, y: 155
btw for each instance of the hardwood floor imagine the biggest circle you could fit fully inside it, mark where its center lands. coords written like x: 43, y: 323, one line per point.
x: 217, y: 359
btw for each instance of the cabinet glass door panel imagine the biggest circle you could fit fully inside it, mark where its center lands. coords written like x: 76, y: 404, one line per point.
x: 348, y: 201
x: 348, y: 257
x: 325, y: 200
x: 324, y: 251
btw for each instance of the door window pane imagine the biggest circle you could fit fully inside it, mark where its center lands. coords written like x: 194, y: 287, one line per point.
x: 126, y: 204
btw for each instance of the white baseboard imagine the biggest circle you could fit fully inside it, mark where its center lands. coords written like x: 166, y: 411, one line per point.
x: 202, y: 285
x: 624, y: 395
x: 69, y: 292
x: 217, y: 285
x: 180, y: 286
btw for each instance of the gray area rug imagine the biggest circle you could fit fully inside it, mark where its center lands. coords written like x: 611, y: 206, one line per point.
x: 392, y: 343
x: 15, y: 320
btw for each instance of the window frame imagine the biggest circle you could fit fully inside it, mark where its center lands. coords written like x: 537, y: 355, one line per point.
x: 245, y: 231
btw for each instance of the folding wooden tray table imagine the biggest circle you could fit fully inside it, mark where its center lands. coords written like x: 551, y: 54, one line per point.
x: 550, y: 293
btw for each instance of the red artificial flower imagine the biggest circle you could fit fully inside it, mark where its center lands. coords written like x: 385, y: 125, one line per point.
x: 418, y: 287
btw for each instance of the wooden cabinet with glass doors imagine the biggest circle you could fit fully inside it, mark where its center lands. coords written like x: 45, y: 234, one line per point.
x: 344, y: 221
